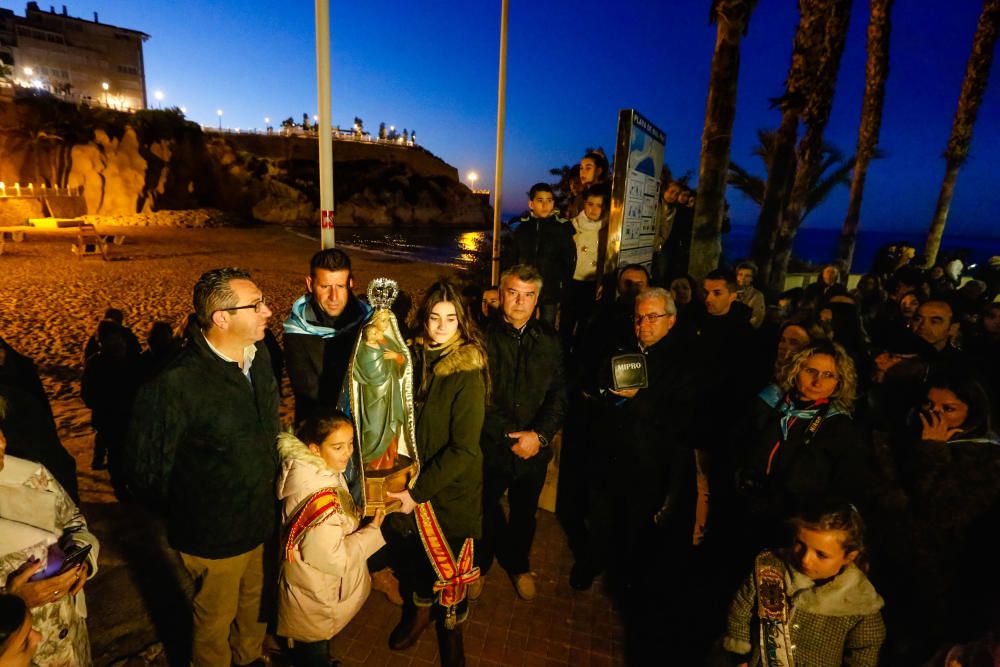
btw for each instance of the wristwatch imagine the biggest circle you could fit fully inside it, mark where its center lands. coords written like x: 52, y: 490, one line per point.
x: 542, y: 440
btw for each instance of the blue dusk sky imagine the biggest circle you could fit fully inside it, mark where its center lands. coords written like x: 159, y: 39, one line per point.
x: 432, y: 66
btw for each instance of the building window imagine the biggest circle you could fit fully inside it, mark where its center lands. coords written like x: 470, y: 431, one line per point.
x: 125, y: 69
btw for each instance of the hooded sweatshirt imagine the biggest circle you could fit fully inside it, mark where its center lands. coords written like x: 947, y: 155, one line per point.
x: 326, y: 581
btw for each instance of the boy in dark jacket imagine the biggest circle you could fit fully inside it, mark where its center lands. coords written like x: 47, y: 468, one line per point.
x: 545, y: 241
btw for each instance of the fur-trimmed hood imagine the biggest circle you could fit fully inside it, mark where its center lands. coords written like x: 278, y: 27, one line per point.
x: 301, y: 470
x: 848, y: 594
x: 465, y: 357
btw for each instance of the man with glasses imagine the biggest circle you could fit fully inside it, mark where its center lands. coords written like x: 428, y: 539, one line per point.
x: 527, y: 408
x: 201, y: 451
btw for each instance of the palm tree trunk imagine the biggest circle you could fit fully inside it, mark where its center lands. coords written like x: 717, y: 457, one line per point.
x: 876, y: 74
x: 816, y: 114
x: 977, y: 73
x: 732, y: 17
x: 807, y: 49
x: 779, y: 180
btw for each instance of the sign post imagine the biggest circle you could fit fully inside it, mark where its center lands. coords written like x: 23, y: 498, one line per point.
x: 635, y: 189
x: 325, y: 129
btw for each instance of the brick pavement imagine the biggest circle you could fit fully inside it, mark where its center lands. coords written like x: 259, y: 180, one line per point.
x: 560, y: 626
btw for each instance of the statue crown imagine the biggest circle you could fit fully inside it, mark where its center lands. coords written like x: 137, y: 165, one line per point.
x: 382, y: 292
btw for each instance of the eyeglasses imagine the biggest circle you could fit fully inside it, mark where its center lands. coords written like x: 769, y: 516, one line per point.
x: 649, y: 317
x: 256, y: 305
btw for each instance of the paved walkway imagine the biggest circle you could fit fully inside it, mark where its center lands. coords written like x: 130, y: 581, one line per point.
x: 559, y: 627
x: 135, y: 605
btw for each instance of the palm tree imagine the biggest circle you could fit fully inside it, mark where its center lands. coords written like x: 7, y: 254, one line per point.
x: 807, y: 49
x: 876, y: 73
x: 732, y: 18
x: 977, y: 72
x: 815, y: 115
x: 834, y: 171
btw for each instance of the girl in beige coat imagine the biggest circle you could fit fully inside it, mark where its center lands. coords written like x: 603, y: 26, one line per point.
x: 324, y: 578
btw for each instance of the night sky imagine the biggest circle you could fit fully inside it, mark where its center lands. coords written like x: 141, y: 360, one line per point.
x: 432, y: 66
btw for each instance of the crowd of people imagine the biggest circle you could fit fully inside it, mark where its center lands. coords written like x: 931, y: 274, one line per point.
x: 835, y: 443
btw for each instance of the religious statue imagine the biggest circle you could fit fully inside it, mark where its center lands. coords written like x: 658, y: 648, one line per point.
x: 378, y: 369
x: 381, y: 402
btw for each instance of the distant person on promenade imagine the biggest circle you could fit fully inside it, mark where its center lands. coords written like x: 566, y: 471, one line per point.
x: 544, y: 240
x: 320, y: 333
x: 201, y: 450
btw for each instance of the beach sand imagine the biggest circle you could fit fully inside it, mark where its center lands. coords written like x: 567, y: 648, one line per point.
x: 51, y: 300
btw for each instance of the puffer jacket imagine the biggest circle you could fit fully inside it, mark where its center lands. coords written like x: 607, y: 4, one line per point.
x: 326, y: 581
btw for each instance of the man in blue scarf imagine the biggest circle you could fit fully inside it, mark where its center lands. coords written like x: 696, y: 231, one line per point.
x: 320, y: 333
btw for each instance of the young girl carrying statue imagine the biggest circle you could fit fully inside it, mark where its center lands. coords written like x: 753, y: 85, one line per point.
x: 324, y: 578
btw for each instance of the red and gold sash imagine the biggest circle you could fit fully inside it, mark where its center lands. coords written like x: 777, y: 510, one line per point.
x: 454, y: 576
x: 314, y: 511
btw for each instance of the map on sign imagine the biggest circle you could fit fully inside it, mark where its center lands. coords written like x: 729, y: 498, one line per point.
x: 642, y: 187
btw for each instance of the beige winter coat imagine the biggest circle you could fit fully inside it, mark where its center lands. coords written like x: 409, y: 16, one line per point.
x: 326, y: 582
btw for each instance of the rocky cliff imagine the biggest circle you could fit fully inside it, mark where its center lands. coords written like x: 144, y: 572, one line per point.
x: 156, y: 160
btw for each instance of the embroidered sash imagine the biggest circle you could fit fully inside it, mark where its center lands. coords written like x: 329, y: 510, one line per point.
x: 772, y: 610
x: 454, y: 576
x: 314, y: 511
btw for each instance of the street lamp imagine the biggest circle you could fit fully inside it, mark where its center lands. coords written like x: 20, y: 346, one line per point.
x: 184, y: 110
x: 473, y: 177
x: 159, y: 98
x: 29, y: 71
x: 105, y: 86
x: 220, y: 119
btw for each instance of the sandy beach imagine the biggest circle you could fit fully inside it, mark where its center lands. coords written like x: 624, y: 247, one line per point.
x: 51, y: 300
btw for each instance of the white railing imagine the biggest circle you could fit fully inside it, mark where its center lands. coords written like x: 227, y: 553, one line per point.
x: 29, y: 191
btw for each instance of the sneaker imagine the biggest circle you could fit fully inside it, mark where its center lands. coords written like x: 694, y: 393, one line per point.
x: 476, y: 587
x: 385, y: 581
x: 524, y: 584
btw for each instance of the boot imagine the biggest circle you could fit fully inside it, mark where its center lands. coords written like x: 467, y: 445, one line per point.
x: 413, y: 623
x: 450, y: 645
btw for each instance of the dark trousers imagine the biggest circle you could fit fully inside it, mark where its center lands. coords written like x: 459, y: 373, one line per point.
x: 508, y: 538
x: 311, y: 654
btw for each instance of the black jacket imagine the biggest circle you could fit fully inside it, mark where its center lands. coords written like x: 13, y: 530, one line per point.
x: 316, y: 366
x: 201, y: 447
x: 449, y: 417
x: 547, y: 244
x: 528, y: 387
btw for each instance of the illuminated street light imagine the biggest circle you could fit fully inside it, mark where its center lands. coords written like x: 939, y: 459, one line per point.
x: 28, y: 71
x: 105, y: 86
x: 267, y: 121
x: 473, y: 177
x: 220, y: 119
x: 184, y: 110
x: 159, y: 97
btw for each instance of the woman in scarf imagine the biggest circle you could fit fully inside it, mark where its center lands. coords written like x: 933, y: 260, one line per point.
x: 801, y: 444
x: 449, y: 366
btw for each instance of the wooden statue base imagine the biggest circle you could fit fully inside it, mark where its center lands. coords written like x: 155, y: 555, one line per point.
x: 377, y: 482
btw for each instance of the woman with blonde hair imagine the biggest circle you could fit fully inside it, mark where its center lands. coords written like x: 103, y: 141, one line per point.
x: 801, y: 444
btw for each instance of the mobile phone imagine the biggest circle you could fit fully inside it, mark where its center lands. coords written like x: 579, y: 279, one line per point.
x: 75, y: 558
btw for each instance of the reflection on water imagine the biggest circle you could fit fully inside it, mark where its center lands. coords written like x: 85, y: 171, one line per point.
x: 458, y: 248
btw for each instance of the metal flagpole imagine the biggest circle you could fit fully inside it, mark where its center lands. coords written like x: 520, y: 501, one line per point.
x: 501, y: 112
x: 325, y: 123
